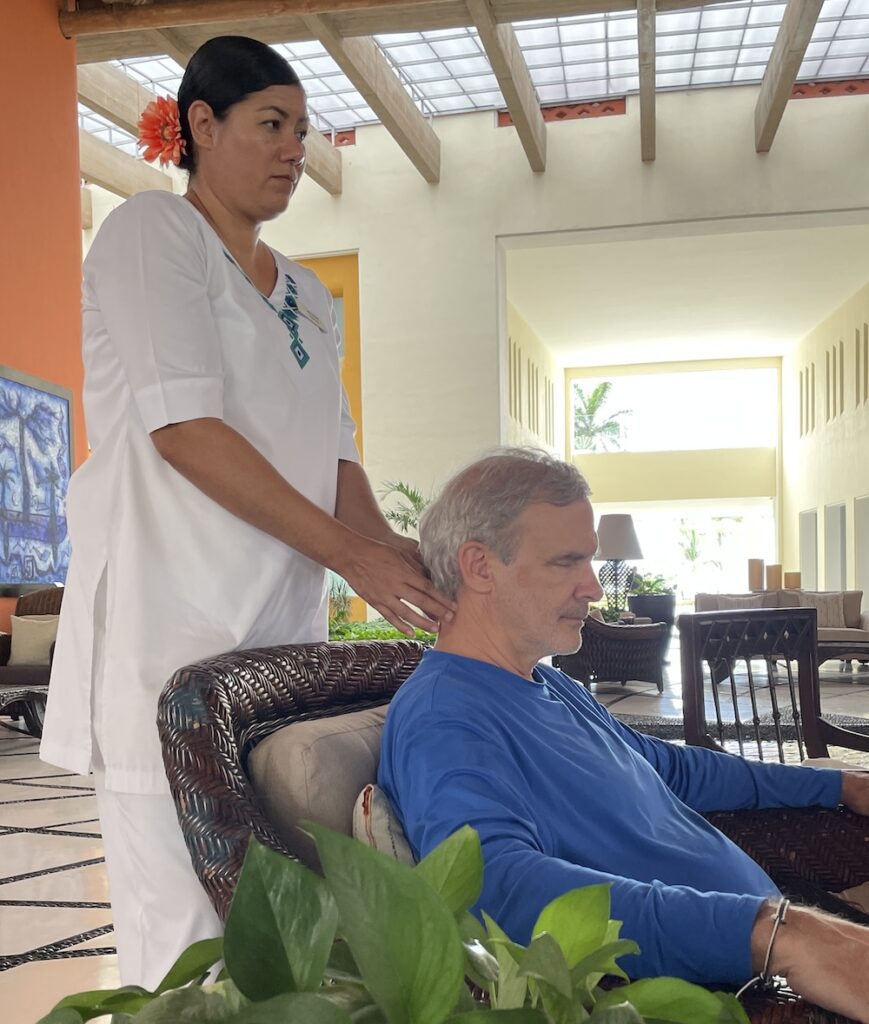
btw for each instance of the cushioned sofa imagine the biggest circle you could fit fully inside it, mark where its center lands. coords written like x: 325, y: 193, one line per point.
x: 24, y: 685
x: 843, y: 629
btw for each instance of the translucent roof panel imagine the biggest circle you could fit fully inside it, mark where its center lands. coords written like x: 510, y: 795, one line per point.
x: 445, y: 71
x: 571, y: 59
x: 96, y: 124
x: 161, y: 75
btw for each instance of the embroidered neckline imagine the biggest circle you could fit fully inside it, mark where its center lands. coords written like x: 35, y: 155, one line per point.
x: 288, y: 314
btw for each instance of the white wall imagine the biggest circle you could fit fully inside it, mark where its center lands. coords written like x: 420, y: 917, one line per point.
x: 431, y: 256
x: 824, y: 458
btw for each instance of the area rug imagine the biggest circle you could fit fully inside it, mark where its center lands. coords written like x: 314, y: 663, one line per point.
x: 669, y: 727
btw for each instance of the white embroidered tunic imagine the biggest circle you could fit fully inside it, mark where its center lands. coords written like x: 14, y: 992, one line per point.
x: 161, y: 575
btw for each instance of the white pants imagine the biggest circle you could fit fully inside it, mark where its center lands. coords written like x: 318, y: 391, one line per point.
x: 158, y: 904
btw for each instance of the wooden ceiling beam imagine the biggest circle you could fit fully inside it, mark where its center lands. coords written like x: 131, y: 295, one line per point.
x: 104, y: 165
x: 114, y: 95
x: 174, y: 46
x: 323, y: 163
x: 352, y: 17
x: 514, y: 79
x: 787, y: 55
x: 648, y: 86
x: 173, y: 13
x: 363, y: 62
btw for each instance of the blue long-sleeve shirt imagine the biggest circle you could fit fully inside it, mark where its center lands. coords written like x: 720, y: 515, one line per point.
x: 563, y: 796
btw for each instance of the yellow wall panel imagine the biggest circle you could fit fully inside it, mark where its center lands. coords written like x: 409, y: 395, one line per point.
x: 680, y: 475
x: 340, y: 274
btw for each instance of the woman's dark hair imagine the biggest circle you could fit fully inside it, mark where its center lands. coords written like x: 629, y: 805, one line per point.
x: 223, y: 72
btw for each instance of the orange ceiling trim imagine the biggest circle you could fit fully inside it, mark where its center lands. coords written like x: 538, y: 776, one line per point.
x: 815, y: 90
x: 573, y: 111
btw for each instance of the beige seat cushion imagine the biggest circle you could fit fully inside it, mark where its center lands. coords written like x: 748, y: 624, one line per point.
x: 32, y: 637
x: 830, y: 605
x: 316, y: 770
x: 376, y: 824
x: 829, y: 635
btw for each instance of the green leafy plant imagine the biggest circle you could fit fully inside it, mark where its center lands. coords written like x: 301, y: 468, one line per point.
x: 648, y: 583
x: 378, y: 942
x: 376, y: 629
x: 593, y: 429
x: 408, y: 507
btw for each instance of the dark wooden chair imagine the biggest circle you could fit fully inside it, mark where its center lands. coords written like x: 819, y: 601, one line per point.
x: 211, y: 716
x: 23, y: 688
x: 616, y: 653
x: 741, y: 658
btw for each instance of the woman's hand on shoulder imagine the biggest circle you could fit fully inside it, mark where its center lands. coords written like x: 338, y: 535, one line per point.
x: 391, y: 578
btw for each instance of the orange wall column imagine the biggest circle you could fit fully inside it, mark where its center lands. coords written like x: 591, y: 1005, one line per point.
x: 40, y: 207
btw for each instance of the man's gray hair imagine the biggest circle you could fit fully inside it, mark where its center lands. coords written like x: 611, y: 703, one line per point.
x: 483, y: 502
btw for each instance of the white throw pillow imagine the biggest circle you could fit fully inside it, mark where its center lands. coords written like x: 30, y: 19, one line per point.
x: 376, y: 824
x: 32, y: 637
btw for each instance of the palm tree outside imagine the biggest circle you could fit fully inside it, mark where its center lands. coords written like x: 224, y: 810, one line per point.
x: 593, y: 428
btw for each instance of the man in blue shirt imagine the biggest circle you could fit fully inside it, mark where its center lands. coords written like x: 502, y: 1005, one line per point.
x: 561, y: 794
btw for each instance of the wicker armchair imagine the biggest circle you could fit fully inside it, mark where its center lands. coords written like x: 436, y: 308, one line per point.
x: 23, y: 688
x: 212, y: 714
x: 611, y: 653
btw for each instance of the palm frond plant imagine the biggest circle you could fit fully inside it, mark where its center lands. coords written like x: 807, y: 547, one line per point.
x: 404, y: 513
x: 593, y: 428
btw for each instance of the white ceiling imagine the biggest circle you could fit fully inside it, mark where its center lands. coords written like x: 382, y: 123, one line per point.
x: 701, y: 297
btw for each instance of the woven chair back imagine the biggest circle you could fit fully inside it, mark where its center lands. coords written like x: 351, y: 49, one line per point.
x: 611, y: 653
x: 212, y: 714
x: 46, y: 601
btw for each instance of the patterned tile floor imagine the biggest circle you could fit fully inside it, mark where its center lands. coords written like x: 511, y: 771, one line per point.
x: 55, y: 919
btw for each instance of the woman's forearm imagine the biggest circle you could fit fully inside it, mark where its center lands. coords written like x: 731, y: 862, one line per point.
x: 225, y: 466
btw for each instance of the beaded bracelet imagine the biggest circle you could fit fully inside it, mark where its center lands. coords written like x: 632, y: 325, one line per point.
x: 764, y: 980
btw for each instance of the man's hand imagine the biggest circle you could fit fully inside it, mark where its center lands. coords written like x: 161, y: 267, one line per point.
x: 855, y: 791
x: 391, y: 580
x: 825, y: 959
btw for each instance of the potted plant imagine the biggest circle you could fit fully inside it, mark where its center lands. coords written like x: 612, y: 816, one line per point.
x: 653, y: 597
x: 384, y: 943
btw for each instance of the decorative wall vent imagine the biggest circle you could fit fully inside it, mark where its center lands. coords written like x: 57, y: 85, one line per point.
x: 821, y: 90
x: 573, y: 111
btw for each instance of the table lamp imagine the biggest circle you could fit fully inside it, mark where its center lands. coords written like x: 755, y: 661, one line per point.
x: 617, y: 542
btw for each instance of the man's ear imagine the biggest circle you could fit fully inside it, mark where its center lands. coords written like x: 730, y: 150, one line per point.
x: 202, y: 122
x: 475, y: 566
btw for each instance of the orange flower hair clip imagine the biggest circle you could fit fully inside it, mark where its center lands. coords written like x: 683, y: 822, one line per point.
x: 160, y: 132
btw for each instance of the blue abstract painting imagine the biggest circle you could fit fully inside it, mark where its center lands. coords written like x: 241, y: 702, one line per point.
x: 35, y: 444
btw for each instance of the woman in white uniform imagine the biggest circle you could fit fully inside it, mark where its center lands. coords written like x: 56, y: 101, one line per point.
x: 223, y: 476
